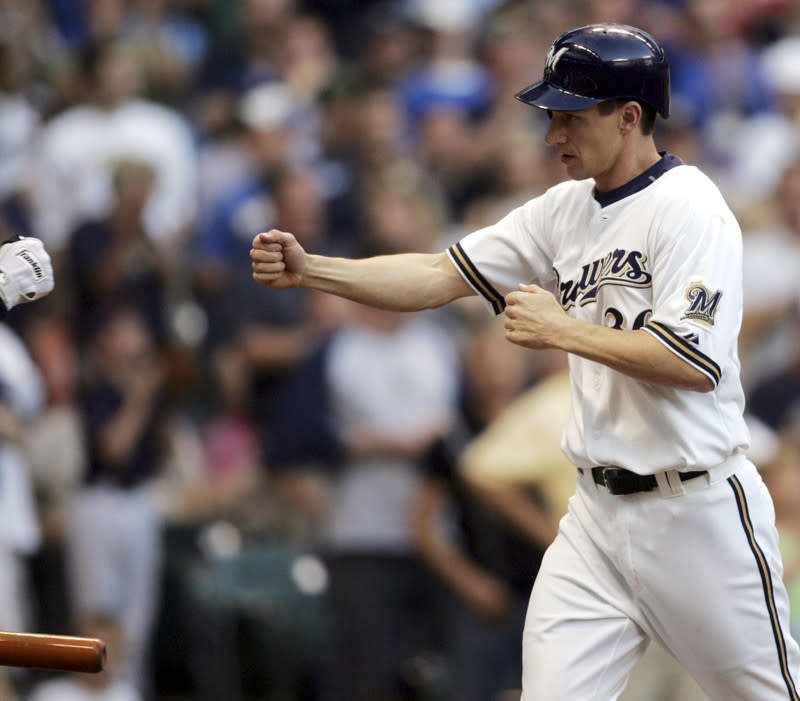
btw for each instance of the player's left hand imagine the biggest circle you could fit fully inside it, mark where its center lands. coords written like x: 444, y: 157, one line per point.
x: 533, y: 317
x: 26, y: 272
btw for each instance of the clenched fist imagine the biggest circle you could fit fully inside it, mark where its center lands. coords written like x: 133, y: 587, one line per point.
x: 26, y: 272
x: 277, y: 260
x: 534, y: 318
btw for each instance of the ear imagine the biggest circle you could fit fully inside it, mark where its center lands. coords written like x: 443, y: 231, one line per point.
x: 629, y: 116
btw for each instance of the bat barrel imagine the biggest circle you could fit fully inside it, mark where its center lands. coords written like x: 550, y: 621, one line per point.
x: 62, y: 652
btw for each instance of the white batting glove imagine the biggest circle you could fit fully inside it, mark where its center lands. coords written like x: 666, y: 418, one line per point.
x: 26, y: 272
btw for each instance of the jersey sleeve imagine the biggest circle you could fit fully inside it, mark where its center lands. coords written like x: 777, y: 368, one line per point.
x: 495, y: 260
x: 696, y: 258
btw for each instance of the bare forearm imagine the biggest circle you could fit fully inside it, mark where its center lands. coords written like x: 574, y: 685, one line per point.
x: 408, y: 445
x: 275, y: 347
x: 517, y: 509
x: 119, y: 436
x: 448, y: 562
x: 535, y: 319
x: 402, y: 282
x: 633, y: 353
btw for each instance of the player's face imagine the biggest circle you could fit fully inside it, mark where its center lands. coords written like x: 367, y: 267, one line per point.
x: 588, y: 144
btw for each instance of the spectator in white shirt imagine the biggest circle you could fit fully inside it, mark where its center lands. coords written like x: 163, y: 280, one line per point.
x: 71, y: 172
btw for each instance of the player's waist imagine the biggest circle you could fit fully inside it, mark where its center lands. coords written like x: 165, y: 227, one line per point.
x: 619, y: 480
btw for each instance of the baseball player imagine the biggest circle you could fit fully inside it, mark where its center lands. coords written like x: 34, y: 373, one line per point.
x: 634, y: 268
x: 26, y: 272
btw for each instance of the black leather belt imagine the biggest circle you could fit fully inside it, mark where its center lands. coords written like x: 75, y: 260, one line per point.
x: 618, y: 480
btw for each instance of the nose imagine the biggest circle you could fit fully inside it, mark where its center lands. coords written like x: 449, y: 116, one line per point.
x: 555, y: 134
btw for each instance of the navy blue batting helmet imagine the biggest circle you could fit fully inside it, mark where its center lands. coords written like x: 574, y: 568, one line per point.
x: 601, y: 62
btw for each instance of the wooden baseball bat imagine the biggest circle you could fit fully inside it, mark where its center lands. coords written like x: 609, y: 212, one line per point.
x: 61, y: 652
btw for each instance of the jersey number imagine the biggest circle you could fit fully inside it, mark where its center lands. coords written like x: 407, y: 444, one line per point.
x: 615, y: 319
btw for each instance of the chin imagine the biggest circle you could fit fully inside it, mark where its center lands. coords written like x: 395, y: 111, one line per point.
x: 577, y: 173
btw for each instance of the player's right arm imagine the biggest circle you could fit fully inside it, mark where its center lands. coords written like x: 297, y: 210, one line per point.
x: 400, y: 282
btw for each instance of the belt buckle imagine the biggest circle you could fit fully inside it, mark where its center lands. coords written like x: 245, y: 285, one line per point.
x: 607, y: 472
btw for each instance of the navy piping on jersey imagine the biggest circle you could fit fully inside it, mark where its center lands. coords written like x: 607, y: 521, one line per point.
x: 473, y: 276
x: 766, y: 583
x: 681, y: 347
x: 640, y: 182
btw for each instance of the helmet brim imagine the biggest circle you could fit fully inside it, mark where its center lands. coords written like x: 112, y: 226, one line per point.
x: 548, y: 97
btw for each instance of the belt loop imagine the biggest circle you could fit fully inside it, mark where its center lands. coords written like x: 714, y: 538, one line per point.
x: 587, y: 475
x: 669, y: 483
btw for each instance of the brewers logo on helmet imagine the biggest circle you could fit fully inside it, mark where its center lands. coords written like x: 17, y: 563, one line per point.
x: 599, y: 62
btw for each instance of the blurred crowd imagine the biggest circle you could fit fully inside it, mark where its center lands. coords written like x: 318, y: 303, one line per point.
x: 254, y: 494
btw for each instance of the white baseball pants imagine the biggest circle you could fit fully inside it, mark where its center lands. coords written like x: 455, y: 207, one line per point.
x: 113, y: 564
x: 697, y: 569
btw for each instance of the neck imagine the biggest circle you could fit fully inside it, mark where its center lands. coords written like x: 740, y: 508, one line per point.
x: 630, y: 163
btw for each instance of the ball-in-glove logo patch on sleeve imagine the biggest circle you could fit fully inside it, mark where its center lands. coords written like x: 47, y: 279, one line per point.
x: 703, y: 303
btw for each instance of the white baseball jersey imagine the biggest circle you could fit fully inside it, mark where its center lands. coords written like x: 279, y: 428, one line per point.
x: 662, y: 253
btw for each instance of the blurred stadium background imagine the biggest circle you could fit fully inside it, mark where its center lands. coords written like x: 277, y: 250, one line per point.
x: 251, y: 494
